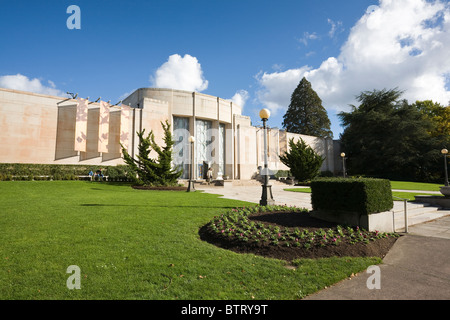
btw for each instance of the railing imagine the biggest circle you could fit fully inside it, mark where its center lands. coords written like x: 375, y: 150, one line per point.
x: 405, y: 203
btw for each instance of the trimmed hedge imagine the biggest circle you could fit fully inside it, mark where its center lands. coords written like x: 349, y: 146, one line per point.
x: 31, y: 171
x: 362, y: 195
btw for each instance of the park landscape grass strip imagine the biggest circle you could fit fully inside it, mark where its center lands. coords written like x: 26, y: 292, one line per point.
x: 134, y: 244
x: 397, y: 185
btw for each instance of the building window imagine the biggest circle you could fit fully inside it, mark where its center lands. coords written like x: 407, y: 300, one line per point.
x: 222, y: 148
x: 181, y: 148
x: 203, y: 144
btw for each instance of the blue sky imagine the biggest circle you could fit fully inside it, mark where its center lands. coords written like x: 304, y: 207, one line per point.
x: 254, y: 52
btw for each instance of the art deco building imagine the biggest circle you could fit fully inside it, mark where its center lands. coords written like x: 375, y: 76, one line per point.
x: 36, y: 128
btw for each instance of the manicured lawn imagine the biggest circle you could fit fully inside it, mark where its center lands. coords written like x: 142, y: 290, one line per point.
x: 305, y: 190
x: 134, y: 244
x: 410, y: 195
x: 404, y: 185
x: 396, y: 185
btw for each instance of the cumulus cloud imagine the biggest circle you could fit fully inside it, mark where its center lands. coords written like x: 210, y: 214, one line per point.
x: 277, y: 87
x: 183, y: 73
x: 23, y: 83
x: 401, y: 43
x: 240, y: 98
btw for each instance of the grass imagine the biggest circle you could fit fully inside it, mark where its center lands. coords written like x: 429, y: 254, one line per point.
x: 410, y: 195
x: 134, y: 244
x: 404, y: 185
x: 397, y: 185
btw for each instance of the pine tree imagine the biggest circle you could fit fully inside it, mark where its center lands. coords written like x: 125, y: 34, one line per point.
x: 305, y: 114
x: 303, y: 162
x: 147, y: 171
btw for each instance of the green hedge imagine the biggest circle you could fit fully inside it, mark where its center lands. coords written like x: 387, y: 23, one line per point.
x: 361, y: 195
x: 28, y: 171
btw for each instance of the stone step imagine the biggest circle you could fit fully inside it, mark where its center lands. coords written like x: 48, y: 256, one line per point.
x: 418, y: 215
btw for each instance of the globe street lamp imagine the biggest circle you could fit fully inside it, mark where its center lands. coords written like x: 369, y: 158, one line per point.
x: 266, y: 196
x: 343, y: 164
x: 445, y: 152
x: 191, y: 187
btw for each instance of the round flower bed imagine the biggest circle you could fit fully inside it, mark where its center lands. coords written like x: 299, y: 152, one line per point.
x: 289, y: 233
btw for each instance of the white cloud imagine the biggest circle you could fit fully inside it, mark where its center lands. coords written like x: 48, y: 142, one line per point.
x: 240, y: 98
x: 277, y: 87
x: 23, y: 83
x: 308, y: 36
x: 336, y: 27
x: 401, y: 43
x: 183, y: 73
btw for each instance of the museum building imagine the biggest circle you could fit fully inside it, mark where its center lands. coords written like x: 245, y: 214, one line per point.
x: 208, y: 131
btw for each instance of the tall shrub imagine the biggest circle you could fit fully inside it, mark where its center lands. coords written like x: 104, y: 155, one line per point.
x: 303, y: 162
x: 148, y: 171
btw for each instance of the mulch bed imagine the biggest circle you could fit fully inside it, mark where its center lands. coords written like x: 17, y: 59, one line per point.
x: 376, y: 248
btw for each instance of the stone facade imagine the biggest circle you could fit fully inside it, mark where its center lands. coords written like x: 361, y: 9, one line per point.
x: 37, y: 128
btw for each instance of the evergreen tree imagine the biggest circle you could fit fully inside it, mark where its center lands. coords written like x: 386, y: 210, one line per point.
x: 387, y: 137
x: 165, y: 174
x: 147, y: 171
x: 303, y: 162
x: 305, y: 114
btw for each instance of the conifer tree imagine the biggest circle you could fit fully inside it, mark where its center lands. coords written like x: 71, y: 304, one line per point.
x: 303, y: 162
x: 155, y: 172
x: 305, y: 114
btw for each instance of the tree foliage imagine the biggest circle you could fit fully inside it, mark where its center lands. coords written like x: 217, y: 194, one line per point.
x: 305, y: 114
x: 387, y: 137
x: 437, y: 114
x: 147, y: 171
x: 303, y: 162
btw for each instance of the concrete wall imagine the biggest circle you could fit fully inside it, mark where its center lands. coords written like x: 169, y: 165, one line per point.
x: 157, y: 105
x: 27, y: 127
x: 324, y: 147
x: 38, y: 128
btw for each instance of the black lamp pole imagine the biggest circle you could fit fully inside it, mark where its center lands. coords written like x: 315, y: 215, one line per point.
x: 343, y: 165
x: 445, y: 152
x: 191, y: 187
x: 266, y: 196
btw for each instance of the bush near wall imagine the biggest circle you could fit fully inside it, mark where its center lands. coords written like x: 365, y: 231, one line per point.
x: 28, y: 171
x: 361, y: 195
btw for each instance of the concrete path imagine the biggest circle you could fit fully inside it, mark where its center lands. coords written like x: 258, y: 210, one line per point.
x: 416, y: 268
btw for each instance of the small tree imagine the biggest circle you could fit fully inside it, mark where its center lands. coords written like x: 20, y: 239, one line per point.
x: 147, y: 171
x: 303, y: 161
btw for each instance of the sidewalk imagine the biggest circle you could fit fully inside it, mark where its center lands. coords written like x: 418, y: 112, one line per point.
x: 416, y: 268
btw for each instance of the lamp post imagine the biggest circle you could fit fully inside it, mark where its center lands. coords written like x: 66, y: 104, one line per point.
x: 191, y: 187
x: 266, y: 196
x: 445, y: 152
x: 343, y: 164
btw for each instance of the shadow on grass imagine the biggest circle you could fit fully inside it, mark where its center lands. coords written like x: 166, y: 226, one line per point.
x: 153, y: 206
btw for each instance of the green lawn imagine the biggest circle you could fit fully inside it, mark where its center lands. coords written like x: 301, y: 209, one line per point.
x: 132, y: 244
x: 404, y: 185
x: 397, y: 185
x: 410, y: 196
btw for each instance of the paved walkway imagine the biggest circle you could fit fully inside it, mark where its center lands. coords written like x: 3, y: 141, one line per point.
x: 416, y: 268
